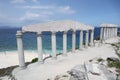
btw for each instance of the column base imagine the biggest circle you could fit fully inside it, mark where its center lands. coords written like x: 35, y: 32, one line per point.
x: 91, y: 45
x: 86, y: 47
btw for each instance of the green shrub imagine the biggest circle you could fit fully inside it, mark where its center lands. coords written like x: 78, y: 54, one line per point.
x: 100, y: 59
x: 113, y: 44
x: 114, y: 64
x: 34, y: 60
x: 83, y: 43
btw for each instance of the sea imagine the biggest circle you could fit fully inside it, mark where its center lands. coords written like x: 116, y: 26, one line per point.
x: 8, y: 40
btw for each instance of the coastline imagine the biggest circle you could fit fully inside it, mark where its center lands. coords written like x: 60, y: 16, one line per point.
x: 10, y: 58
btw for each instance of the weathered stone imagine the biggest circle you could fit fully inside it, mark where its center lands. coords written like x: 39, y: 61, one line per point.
x: 118, y: 77
x: 95, y: 69
x: 108, y: 74
x: 78, y: 73
x: 62, y: 77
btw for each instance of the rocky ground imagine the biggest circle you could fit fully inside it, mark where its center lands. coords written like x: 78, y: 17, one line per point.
x: 95, y: 69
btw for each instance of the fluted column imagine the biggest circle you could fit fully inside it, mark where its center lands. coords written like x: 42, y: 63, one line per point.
x: 81, y: 40
x: 91, y: 37
x: 101, y: 33
x: 39, y: 46
x: 64, y: 43
x: 87, y: 37
x: 73, y: 41
x: 20, y: 50
x: 54, y: 45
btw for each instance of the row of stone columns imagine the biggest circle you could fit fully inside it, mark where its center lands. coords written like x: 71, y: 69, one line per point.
x: 108, y: 32
x: 53, y: 40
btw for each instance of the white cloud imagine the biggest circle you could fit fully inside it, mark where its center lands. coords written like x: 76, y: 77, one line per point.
x: 18, y: 1
x: 38, y: 7
x: 22, y: 1
x: 54, y: 9
x: 29, y: 16
x: 34, y: 0
x: 65, y: 9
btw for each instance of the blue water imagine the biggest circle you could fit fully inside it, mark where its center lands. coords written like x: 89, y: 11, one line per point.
x: 8, y: 40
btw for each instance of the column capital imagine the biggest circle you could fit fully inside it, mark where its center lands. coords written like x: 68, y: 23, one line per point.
x: 39, y: 33
x: 64, y: 32
x: 53, y: 32
x: 73, y: 31
x: 92, y: 30
x: 87, y: 31
x: 19, y: 34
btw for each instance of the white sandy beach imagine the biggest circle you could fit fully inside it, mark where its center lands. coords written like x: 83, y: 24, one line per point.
x: 10, y: 58
x: 51, y: 68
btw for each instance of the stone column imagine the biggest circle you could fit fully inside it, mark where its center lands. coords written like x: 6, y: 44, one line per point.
x: 81, y: 40
x: 64, y: 43
x: 116, y: 31
x: 112, y: 31
x: 91, y: 37
x: 101, y: 33
x: 20, y: 50
x: 54, y: 45
x: 39, y: 46
x: 104, y: 33
x: 73, y: 41
x: 107, y: 33
x: 87, y: 37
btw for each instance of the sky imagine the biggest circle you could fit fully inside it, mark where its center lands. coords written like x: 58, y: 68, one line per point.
x: 18, y: 13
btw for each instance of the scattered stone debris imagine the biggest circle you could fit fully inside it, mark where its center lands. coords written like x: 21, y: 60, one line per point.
x: 78, y: 73
x: 62, y: 77
x: 107, y: 73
